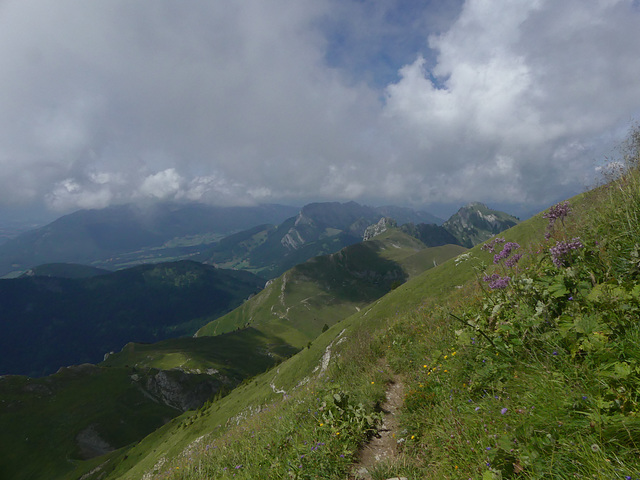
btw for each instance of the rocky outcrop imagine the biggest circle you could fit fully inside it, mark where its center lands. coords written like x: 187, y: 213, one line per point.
x: 292, y: 240
x: 384, y: 224
x: 181, y: 390
x: 91, y: 444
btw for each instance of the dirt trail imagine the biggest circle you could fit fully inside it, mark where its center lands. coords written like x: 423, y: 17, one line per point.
x: 384, y: 447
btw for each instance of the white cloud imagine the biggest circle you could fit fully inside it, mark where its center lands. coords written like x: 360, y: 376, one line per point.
x: 530, y: 82
x: 508, y: 101
x: 68, y: 194
x: 162, y: 185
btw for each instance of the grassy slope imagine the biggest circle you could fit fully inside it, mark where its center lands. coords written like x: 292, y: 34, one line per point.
x: 231, y: 346
x: 324, y: 290
x: 41, y: 418
x: 234, y: 354
x: 554, y: 396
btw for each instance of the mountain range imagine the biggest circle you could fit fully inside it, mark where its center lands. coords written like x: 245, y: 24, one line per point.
x: 266, y: 239
x: 146, y: 384
x: 125, y: 235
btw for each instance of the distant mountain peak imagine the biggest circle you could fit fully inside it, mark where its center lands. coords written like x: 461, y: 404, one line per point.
x: 476, y: 222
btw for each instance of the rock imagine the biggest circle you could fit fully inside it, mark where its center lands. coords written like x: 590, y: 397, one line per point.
x: 382, y: 226
x: 178, y: 389
x: 91, y: 444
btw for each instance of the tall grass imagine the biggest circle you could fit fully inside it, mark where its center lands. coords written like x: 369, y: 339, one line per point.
x: 542, y: 379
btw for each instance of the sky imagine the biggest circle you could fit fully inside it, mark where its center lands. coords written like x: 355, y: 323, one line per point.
x: 429, y: 104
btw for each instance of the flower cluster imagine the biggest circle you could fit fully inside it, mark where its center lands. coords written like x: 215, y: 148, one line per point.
x: 561, y: 250
x: 491, y: 246
x: 497, y: 282
x: 558, y: 212
x: 506, y: 253
x: 505, y: 256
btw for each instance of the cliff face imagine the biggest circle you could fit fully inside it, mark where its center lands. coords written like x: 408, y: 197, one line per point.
x: 183, y: 390
x: 321, y: 220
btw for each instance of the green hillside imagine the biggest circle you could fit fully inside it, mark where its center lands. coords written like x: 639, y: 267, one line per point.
x: 232, y: 354
x: 50, y: 424
x: 176, y: 375
x: 322, y: 291
x: 280, y: 407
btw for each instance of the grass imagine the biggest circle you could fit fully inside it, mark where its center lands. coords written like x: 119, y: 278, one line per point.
x: 324, y: 290
x: 36, y: 410
x: 41, y: 418
x: 241, y: 354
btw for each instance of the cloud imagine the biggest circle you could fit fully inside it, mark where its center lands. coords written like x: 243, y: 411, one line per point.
x: 162, y: 185
x: 236, y: 91
x: 515, y: 107
x: 299, y: 100
x: 69, y: 194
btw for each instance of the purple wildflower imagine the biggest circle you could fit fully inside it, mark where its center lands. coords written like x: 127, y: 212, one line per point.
x: 561, y: 250
x: 504, y: 410
x: 490, y: 246
x: 511, y: 261
x: 506, y: 251
x: 497, y: 282
x: 557, y: 212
